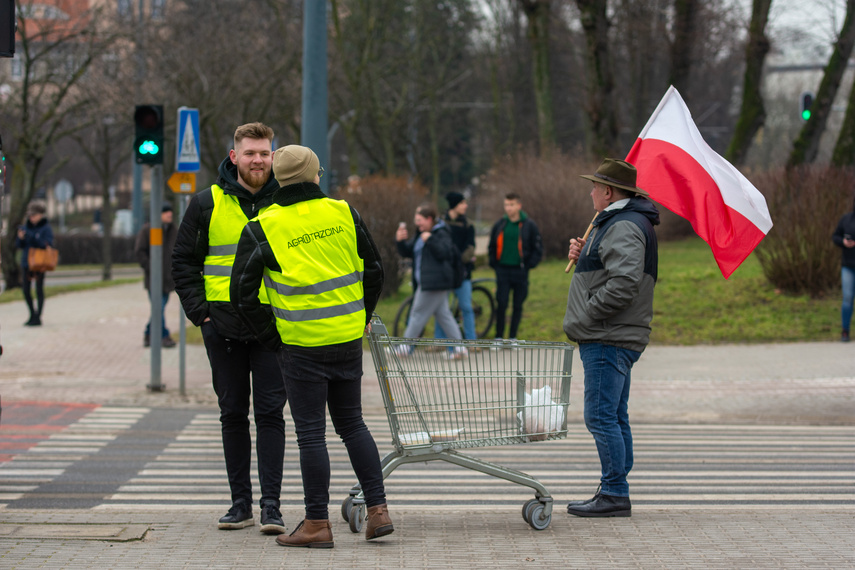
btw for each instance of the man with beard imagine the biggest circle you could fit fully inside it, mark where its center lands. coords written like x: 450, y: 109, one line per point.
x: 201, y: 266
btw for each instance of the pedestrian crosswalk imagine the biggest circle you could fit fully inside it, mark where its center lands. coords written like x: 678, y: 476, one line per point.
x: 676, y: 466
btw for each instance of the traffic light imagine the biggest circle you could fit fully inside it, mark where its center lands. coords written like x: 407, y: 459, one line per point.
x: 148, y: 137
x: 8, y: 27
x: 805, y: 103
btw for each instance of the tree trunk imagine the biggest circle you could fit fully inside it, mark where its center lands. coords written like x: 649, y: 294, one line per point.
x: 752, y: 115
x: 806, y: 146
x: 600, y: 105
x: 682, y: 47
x: 537, y: 14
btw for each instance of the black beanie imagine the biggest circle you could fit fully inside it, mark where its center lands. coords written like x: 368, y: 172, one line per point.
x: 454, y: 198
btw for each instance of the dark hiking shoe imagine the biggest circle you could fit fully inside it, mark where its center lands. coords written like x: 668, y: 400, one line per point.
x: 271, y: 519
x: 239, y: 516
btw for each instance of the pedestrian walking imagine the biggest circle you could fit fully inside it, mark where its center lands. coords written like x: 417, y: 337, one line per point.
x: 434, y: 259
x: 609, y: 309
x: 240, y: 366
x: 463, y: 236
x: 35, y: 232
x: 844, y: 238
x: 142, y: 249
x: 323, y: 275
x: 514, y: 249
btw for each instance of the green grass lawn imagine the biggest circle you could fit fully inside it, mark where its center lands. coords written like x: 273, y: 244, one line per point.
x: 693, y: 303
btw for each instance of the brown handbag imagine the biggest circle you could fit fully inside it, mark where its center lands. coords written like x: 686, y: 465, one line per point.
x: 41, y: 260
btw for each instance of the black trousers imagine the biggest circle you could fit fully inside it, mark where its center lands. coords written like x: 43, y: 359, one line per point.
x: 321, y: 378
x: 240, y: 369
x: 510, y: 278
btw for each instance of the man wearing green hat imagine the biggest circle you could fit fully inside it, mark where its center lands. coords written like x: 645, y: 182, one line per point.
x: 609, y: 309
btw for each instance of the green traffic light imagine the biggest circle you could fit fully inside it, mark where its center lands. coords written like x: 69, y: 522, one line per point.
x: 149, y: 147
x: 806, y: 114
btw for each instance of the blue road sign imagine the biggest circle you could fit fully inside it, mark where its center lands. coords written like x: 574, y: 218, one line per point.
x: 187, y: 151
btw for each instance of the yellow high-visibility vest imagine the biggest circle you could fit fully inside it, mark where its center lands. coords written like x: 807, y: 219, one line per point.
x: 318, y: 297
x: 227, y: 223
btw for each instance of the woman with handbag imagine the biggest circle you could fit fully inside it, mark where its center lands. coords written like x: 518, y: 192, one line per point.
x: 35, y: 233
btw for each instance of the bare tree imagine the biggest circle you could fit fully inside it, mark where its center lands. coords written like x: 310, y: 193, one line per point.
x: 806, y: 146
x: 254, y: 74
x: 55, y: 51
x: 600, y: 79
x: 752, y: 113
x: 683, y: 43
x: 537, y: 14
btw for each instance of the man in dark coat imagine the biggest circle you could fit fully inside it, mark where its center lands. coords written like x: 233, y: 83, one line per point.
x: 142, y: 251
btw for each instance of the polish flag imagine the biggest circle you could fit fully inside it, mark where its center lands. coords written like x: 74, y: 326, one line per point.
x: 681, y: 172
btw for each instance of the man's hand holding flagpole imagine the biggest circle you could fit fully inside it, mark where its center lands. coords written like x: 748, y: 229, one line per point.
x: 583, y: 240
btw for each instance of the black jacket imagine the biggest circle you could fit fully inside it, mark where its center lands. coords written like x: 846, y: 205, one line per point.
x: 437, y: 269
x: 254, y: 254
x: 38, y: 235
x: 191, y: 248
x: 846, y: 226
x: 532, y: 245
x: 463, y: 236
x: 142, y: 249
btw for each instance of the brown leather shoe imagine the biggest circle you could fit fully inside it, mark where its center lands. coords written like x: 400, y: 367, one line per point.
x: 310, y: 534
x: 379, y: 524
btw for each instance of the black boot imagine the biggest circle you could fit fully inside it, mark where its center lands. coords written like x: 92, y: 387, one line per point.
x: 603, y: 506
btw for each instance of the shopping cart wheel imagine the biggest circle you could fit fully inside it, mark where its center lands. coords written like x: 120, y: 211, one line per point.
x: 345, y: 508
x: 357, y: 517
x: 527, y: 507
x: 536, y: 518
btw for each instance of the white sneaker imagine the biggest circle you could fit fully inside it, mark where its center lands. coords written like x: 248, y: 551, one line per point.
x: 457, y: 353
x: 402, y: 350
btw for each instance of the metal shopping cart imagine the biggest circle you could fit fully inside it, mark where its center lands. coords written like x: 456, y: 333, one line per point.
x: 445, y: 395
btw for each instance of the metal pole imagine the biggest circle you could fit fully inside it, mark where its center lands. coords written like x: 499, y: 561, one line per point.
x: 313, y: 133
x: 136, y: 200
x: 156, y: 255
x: 182, y: 318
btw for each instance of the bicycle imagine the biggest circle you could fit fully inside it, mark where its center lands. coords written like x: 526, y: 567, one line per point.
x: 482, y: 303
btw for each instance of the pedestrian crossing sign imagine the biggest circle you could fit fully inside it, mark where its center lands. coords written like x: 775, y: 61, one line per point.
x: 187, y: 148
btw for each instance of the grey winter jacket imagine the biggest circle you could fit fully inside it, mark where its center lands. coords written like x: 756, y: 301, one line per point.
x: 611, y: 294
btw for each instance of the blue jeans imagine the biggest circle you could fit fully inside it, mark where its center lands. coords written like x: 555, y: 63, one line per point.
x: 847, y: 279
x: 165, y: 331
x: 464, y: 300
x: 321, y: 377
x: 607, y: 379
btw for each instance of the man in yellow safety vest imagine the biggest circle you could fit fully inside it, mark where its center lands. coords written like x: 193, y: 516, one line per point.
x: 323, y: 276
x: 201, y: 267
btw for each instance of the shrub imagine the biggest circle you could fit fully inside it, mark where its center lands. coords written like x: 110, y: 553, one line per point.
x: 555, y: 197
x: 75, y: 249
x: 383, y: 202
x: 798, y: 256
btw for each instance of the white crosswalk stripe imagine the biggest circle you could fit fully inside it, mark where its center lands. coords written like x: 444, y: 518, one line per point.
x: 676, y: 466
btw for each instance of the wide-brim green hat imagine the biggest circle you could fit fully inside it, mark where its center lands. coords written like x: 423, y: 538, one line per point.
x: 617, y: 173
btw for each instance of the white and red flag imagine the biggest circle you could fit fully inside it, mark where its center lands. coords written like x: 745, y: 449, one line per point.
x: 681, y: 172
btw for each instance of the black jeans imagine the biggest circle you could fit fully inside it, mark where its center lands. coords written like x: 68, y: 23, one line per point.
x: 232, y: 362
x: 507, y: 278
x: 38, y: 278
x: 317, y: 377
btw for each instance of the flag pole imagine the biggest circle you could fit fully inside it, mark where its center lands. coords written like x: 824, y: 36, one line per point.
x: 584, y: 237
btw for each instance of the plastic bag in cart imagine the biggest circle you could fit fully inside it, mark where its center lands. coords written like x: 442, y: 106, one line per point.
x: 542, y: 415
